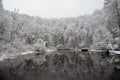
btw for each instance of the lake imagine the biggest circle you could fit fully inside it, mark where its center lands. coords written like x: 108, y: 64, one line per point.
x: 59, y: 65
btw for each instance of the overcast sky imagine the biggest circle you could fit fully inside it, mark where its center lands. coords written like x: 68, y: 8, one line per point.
x: 54, y: 8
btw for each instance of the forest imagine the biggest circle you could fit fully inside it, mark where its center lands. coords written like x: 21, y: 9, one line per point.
x: 97, y: 30
x: 21, y: 32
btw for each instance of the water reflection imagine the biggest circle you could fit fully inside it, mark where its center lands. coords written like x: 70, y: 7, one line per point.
x: 58, y: 65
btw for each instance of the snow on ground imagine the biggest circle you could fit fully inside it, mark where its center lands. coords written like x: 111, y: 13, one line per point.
x: 49, y: 50
x: 12, y: 56
x: 2, y: 57
x: 7, y: 56
x: 115, y: 52
x: 27, y: 52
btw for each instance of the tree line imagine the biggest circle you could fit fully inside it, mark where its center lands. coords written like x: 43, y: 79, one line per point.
x: 89, y: 31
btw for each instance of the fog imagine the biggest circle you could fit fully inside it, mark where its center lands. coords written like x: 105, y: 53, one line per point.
x: 54, y: 8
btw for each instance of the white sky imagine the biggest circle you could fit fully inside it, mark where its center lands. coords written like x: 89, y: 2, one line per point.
x: 54, y: 8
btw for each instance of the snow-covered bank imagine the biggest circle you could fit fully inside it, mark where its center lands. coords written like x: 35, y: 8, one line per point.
x: 12, y: 56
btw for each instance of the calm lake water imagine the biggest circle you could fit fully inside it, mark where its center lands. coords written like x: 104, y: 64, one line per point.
x: 58, y: 65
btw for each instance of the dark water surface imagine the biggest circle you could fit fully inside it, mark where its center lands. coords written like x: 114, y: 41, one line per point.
x: 59, y: 65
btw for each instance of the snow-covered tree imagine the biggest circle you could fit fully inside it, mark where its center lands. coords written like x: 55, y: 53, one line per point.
x: 112, y: 16
x: 102, y: 37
